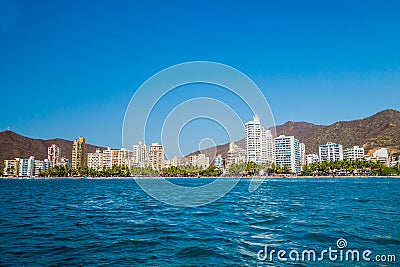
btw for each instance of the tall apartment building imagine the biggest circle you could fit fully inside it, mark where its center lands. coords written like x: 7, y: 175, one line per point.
x: 259, y: 142
x: 330, y: 152
x: 39, y: 166
x: 78, y: 153
x: 125, y: 157
x: 354, y: 153
x: 200, y: 160
x: 219, y: 162
x: 302, y: 147
x: 116, y: 157
x: 140, y: 155
x: 46, y: 165
x: 156, y: 158
x: 382, y: 155
x: 267, y: 146
x: 167, y: 163
x: 95, y: 160
x: 11, y: 167
x: 29, y: 167
x: 120, y: 157
x: 235, y: 155
x: 26, y: 167
x: 175, y: 162
x: 287, y: 152
x: 107, y: 158
x: 54, y: 155
x: 64, y: 162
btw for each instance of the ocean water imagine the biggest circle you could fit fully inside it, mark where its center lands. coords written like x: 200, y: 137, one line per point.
x: 112, y: 222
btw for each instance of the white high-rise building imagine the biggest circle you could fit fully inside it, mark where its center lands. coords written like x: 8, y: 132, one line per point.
x: 219, y: 162
x: 64, y: 162
x: 235, y: 155
x: 140, y: 155
x: 381, y: 155
x: 354, y: 153
x: 115, y: 157
x: 302, y: 147
x: 311, y: 158
x: 200, y: 160
x: 259, y: 142
x: 267, y: 146
x: 124, y: 157
x: 38, y: 167
x: 107, y: 159
x: 287, y: 152
x: 330, y: 152
x: 95, y: 160
x: 203, y: 161
x: 253, y: 140
x: 53, y: 155
x: 174, y: 161
x: 26, y: 167
x: 29, y: 167
x: 167, y: 163
x: 46, y: 165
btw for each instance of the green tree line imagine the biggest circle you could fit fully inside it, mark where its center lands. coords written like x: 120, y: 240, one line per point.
x: 350, y: 167
x: 62, y: 171
x: 191, y: 171
x: 123, y: 171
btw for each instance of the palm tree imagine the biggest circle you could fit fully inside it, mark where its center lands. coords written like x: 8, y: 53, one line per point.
x: 286, y: 169
x: 252, y: 168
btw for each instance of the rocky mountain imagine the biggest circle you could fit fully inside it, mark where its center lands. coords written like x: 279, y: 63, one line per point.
x: 13, y: 145
x: 379, y: 130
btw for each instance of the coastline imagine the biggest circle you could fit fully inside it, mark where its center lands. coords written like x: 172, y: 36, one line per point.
x: 196, y: 178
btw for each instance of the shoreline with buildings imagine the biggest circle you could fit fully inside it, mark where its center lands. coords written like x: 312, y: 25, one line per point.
x: 206, y: 177
x: 264, y: 155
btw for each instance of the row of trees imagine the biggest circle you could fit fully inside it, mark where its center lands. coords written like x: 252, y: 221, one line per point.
x: 191, y: 171
x: 123, y: 171
x: 350, y: 167
x: 62, y: 171
x: 340, y: 167
x: 251, y: 168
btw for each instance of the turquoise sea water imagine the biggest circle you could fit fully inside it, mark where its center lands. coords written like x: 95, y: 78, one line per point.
x: 109, y: 222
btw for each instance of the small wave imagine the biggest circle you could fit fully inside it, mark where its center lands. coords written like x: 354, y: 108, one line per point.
x: 196, y: 252
x: 207, y: 213
x: 361, y: 200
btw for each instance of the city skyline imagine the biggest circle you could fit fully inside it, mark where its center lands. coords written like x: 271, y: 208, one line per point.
x: 76, y: 73
x: 283, y: 153
x: 265, y: 133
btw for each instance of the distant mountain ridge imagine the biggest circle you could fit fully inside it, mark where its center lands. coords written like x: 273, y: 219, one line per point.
x: 379, y: 130
x: 14, y: 145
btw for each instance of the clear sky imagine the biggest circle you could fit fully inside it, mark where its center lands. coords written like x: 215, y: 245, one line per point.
x: 69, y: 68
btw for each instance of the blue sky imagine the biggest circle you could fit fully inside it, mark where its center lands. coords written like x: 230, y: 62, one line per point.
x: 69, y: 68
